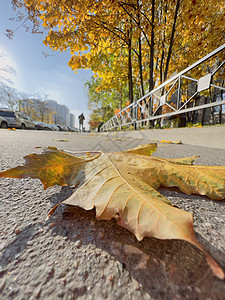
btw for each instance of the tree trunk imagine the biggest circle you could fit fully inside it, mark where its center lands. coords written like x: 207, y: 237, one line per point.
x: 140, y: 67
x: 151, y: 66
x: 221, y: 108
x: 161, y: 66
x: 203, y: 112
x: 130, y: 77
x: 121, y: 97
x: 140, y: 52
x: 171, y: 40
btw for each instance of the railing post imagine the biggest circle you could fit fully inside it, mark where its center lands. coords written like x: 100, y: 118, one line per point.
x: 135, y: 115
x: 178, y: 92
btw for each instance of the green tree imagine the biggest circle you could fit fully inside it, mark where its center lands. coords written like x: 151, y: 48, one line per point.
x: 101, y: 102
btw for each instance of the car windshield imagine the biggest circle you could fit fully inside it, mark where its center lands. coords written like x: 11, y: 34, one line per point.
x: 6, y: 113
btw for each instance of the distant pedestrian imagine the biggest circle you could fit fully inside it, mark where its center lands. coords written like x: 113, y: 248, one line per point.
x: 81, y: 122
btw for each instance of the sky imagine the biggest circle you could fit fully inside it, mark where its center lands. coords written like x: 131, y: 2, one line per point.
x: 37, y: 74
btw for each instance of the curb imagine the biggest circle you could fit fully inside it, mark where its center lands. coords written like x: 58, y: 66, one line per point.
x: 212, y: 137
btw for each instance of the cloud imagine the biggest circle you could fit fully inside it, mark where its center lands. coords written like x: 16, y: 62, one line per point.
x: 7, y: 67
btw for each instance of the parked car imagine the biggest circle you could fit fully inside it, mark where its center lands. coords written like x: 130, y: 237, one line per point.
x: 53, y: 127
x: 3, y: 123
x: 29, y: 123
x: 42, y: 125
x: 71, y: 129
x: 17, y: 119
x: 62, y: 128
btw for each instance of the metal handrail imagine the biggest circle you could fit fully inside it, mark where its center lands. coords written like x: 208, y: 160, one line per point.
x: 133, y: 107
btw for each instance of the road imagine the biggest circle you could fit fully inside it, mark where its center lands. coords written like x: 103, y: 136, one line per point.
x: 74, y: 256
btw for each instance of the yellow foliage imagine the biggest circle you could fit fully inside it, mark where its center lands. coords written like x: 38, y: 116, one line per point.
x: 97, y: 34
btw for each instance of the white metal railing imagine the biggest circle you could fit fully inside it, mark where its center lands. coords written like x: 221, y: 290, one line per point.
x: 180, y: 94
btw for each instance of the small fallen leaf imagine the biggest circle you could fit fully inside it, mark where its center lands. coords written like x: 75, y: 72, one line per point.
x: 167, y: 142
x: 118, y: 139
x: 171, y: 142
x: 62, y: 140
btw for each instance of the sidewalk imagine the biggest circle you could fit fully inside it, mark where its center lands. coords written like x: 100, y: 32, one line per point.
x: 213, y: 137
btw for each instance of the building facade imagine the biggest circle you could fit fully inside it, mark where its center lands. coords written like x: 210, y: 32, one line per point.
x: 49, y: 111
x: 72, y: 120
x: 61, y: 113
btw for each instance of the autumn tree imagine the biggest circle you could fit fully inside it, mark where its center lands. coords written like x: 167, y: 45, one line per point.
x: 131, y: 42
x: 27, y: 107
x: 38, y: 109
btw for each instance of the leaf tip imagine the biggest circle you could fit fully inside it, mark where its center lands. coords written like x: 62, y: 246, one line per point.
x: 51, y: 212
x: 217, y: 270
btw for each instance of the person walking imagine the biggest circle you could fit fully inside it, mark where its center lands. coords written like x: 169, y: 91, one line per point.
x: 81, y: 122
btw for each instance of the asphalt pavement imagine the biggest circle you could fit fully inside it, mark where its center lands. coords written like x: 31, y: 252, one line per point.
x: 207, y: 136
x: 75, y: 256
